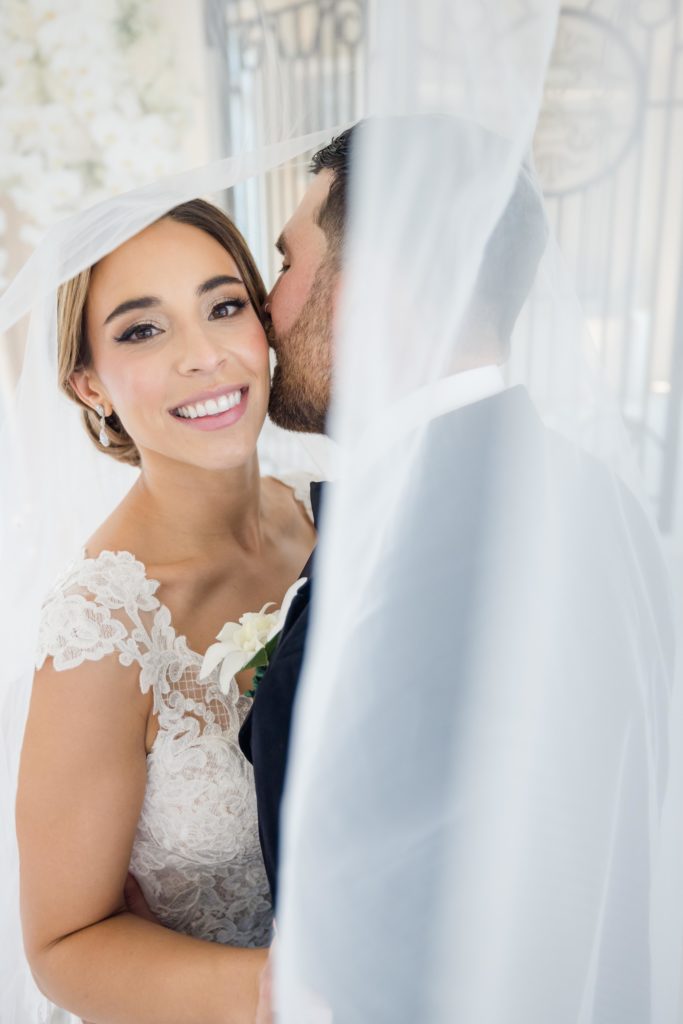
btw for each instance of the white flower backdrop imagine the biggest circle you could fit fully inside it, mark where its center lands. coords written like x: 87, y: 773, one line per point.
x: 91, y: 104
x: 96, y: 99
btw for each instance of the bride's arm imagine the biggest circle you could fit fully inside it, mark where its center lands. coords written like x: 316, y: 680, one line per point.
x: 81, y: 788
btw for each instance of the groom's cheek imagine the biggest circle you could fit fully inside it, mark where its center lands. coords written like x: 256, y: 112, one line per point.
x: 337, y: 290
x: 288, y: 298
x: 294, y: 287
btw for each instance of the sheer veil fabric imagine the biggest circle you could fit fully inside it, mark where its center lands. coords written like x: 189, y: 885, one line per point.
x: 475, y: 805
x: 481, y: 823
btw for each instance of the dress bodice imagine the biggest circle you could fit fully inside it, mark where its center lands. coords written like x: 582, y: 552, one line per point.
x: 196, y: 852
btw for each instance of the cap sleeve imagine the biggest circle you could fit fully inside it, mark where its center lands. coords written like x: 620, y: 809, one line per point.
x: 94, y: 610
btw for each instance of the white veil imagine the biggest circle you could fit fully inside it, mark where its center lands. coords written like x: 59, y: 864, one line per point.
x: 474, y: 826
x: 477, y: 822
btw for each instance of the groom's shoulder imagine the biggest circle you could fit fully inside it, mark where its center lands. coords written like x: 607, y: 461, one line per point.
x: 509, y: 409
x: 470, y: 441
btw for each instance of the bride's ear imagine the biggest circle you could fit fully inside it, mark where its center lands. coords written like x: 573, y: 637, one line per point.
x: 88, y: 387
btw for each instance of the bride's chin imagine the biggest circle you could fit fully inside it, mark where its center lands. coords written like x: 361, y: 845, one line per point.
x: 223, y: 459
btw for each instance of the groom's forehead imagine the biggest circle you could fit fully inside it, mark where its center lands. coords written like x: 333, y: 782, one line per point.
x: 306, y: 213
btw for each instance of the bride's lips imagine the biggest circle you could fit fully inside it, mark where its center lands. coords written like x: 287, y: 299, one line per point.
x: 219, y: 420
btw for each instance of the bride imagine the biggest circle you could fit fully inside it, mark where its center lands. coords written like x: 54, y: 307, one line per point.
x: 130, y: 762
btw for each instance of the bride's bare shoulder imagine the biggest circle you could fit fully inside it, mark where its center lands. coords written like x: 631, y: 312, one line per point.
x: 290, y: 494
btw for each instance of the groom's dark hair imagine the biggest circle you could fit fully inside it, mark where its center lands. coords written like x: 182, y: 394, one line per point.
x: 512, y: 254
x: 335, y: 157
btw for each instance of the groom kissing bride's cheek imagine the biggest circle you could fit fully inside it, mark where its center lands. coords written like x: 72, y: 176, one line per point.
x: 301, y: 310
x: 488, y: 453
x: 149, y: 848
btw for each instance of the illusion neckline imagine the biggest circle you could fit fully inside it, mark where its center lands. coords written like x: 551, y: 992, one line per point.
x: 294, y: 482
x: 234, y: 691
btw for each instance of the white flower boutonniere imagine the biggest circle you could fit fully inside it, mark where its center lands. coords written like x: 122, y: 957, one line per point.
x: 248, y: 643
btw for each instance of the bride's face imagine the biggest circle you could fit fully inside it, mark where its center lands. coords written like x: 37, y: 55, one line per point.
x: 178, y: 351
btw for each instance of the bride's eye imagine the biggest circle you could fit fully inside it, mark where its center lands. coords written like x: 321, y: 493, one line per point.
x: 139, y: 332
x: 227, y: 308
x: 283, y: 268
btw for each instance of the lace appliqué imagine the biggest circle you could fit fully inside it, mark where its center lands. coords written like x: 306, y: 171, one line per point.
x: 196, y: 853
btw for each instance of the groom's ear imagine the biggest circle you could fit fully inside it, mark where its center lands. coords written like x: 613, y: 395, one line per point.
x: 88, y: 387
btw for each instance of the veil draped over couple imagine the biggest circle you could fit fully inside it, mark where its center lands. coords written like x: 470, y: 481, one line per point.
x: 454, y: 791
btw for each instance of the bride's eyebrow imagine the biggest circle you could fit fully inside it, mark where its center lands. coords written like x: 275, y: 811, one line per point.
x: 146, y: 301
x: 216, y: 282
x: 125, y: 307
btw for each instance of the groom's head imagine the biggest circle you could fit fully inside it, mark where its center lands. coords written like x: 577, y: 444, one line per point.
x: 302, y: 302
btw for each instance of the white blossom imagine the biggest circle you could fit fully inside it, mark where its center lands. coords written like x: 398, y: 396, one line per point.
x: 239, y: 642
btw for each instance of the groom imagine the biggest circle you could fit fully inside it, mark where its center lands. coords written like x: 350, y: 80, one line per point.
x: 301, y: 307
x: 489, y: 422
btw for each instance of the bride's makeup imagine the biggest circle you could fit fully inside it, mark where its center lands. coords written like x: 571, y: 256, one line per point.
x: 129, y: 334
x: 179, y: 347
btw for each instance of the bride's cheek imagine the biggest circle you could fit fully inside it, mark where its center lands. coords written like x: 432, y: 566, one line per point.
x: 260, y: 348
x: 143, y: 406
x: 257, y: 355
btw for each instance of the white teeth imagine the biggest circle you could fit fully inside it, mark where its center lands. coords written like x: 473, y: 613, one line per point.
x: 211, y: 407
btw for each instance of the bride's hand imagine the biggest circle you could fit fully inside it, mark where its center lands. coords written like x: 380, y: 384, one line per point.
x: 135, y: 900
x: 135, y: 904
x: 264, y: 1010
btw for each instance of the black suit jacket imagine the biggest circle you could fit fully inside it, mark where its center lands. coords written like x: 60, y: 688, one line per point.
x: 264, y: 736
x: 482, y: 496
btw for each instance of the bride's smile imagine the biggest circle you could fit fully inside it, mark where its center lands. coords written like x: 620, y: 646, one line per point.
x: 214, y: 413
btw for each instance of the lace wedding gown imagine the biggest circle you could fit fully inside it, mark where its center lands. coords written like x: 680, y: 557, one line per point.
x: 196, y: 852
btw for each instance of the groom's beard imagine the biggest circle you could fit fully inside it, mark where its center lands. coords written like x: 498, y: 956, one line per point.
x: 301, y: 387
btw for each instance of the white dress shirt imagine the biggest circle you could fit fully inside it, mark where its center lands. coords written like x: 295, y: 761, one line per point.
x: 429, y: 402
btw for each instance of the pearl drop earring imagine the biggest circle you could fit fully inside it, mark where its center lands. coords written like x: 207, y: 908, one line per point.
x: 104, y: 439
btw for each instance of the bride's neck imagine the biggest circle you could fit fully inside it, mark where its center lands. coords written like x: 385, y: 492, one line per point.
x: 194, y: 513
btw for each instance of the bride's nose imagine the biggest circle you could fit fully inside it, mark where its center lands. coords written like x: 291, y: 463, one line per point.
x: 198, y: 352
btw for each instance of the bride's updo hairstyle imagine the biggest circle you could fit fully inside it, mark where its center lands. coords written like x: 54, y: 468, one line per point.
x: 74, y: 349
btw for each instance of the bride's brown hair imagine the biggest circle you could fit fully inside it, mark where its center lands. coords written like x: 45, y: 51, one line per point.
x: 72, y: 340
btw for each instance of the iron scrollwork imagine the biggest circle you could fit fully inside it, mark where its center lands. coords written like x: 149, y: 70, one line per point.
x: 652, y: 14
x: 295, y: 32
x: 593, y: 104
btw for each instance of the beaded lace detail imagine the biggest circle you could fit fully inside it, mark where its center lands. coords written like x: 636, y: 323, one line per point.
x: 196, y: 852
